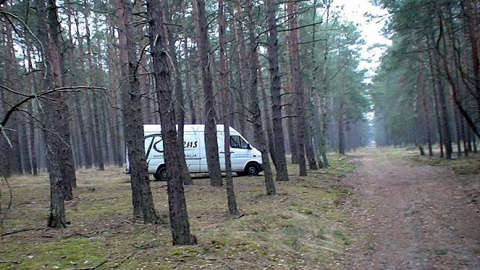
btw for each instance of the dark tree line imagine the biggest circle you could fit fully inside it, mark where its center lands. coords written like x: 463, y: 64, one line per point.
x: 428, y: 91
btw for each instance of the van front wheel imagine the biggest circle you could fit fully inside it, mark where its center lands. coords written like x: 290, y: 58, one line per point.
x: 252, y: 169
x: 161, y: 174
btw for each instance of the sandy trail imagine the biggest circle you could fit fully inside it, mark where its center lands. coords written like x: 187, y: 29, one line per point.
x: 408, y: 216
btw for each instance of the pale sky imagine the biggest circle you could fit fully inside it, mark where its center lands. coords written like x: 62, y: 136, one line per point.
x: 354, y: 10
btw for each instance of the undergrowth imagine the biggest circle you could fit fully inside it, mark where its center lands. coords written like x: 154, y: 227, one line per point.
x: 300, y: 227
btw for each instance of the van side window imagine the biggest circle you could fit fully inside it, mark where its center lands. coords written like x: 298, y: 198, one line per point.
x: 237, y: 142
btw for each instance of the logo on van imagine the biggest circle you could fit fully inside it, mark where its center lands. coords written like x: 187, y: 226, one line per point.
x: 191, y: 144
x: 157, y: 147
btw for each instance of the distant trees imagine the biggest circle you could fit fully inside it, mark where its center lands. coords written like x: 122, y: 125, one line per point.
x: 433, y: 68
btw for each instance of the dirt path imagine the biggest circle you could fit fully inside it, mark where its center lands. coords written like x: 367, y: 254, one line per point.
x: 408, y: 216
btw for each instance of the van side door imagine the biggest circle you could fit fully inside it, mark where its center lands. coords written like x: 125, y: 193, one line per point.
x: 191, y: 146
x: 239, y: 152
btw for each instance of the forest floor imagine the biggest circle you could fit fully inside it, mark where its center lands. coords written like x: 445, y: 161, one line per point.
x: 411, y: 212
x: 376, y: 208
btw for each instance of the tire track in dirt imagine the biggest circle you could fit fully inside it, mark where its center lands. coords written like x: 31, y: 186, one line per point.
x: 408, y: 216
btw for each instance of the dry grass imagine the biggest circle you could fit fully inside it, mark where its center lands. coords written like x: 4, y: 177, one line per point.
x: 299, y: 228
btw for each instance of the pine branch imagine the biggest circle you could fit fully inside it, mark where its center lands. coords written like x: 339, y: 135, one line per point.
x: 40, y: 95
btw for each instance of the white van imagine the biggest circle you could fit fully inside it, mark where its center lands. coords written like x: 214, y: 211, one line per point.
x: 246, y: 160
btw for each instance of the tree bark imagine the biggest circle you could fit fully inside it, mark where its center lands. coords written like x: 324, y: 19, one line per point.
x: 142, y: 199
x: 312, y: 116
x: 203, y: 44
x: 179, y: 101
x: 299, y: 100
x: 82, y: 108
x: 242, y: 74
x: 256, y: 120
x: 179, y: 223
x: 231, y: 201
x: 323, y: 96
x: 52, y: 114
x: 426, y: 118
x: 272, y: 43
x: 341, y: 129
x: 471, y: 16
x: 95, y: 120
x: 62, y: 119
x: 187, y: 76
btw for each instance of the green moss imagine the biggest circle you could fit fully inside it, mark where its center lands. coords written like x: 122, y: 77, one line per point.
x: 465, y: 166
x: 304, y: 210
x: 396, y: 154
x: 61, y: 254
x: 342, y: 237
x: 440, y: 251
x: 460, y: 166
x: 340, y: 165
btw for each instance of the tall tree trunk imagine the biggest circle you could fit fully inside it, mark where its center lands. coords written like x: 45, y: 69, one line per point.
x: 299, y: 101
x: 290, y: 111
x: 187, y: 70
x: 52, y: 112
x: 65, y: 153
x: 314, y: 125
x: 141, y: 194
x: 341, y: 129
x: 84, y: 105
x: 115, y: 95
x: 323, y: 96
x: 464, y: 138
x: 179, y: 101
x: 176, y: 197
x: 78, y: 121
x: 272, y: 43
x: 438, y: 54
x: 242, y: 74
x: 95, y: 121
x: 267, y: 115
x: 471, y: 16
x: 203, y: 44
x: 231, y: 201
x: 31, y: 85
x: 256, y: 120
x: 427, y: 124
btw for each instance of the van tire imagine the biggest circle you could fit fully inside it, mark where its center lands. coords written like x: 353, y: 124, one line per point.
x: 161, y: 174
x: 252, y: 169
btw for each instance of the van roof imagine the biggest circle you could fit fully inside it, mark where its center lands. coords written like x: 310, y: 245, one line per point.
x: 195, y: 128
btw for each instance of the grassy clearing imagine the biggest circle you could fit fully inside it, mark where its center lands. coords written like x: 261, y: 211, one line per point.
x: 459, y: 165
x: 300, y: 227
